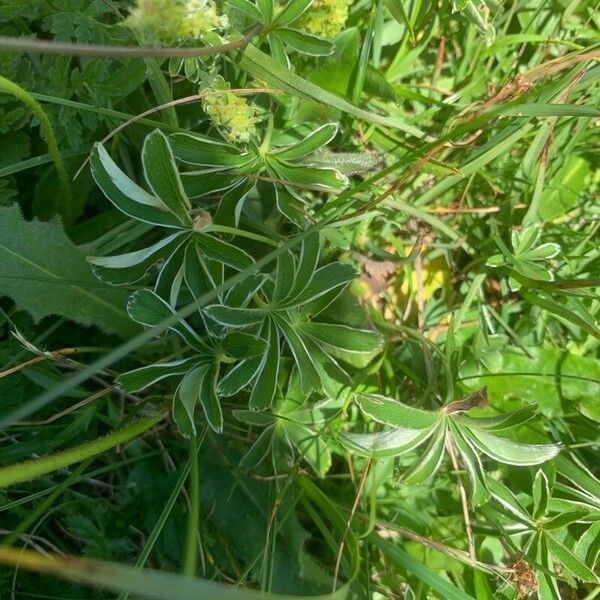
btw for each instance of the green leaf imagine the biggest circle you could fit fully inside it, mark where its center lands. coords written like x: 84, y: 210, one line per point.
x: 563, y: 520
x: 428, y: 463
x: 239, y: 376
x: 541, y: 494
x: 472, y: 463
x: 132, y: 266
x: 265, y: 385
x: 524, y: 240
x: 317, y: 178
x: 385, y: 443
x: 543, y: 252
x: 309, y: 375
x: 307, y: 264
x: 262, y: 66
x: 205, y: 152
x: 443, y: 588
x: 499, y: 422
x: 325, y: 279
x: 549, y: 377
x: 567, y: 557
x: 197, y: 275
x: 232, y: 202
x: 209, y: 399
x: 186, y: 398
x: 246, y: 7
x: 162, y: 176
x: 207, y: 183
x: 359, y: 341
x: 571, y: 311
x: 147, y: 308
x: 292, y: 11
x: 391, y: 412
x: 139, y: 379
x: 285, y: 277
x: 587, y: 547
x: 40, y: 268
x: 548, y: 585
x: 171, y: 276
x: 258, y: 451
x: 311, y: 143
x: 305, y: 42
x: 578, y: 474
x: 222, y: 252
x: 128, y: 197
x: 313, y: 447
x: 509, y: 452
x: 532, y: 270
x: 509, y: 501
x: 266, y: 10
x: 234, y: 317
x: 243, y: 345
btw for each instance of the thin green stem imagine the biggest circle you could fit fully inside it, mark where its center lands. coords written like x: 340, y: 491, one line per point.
x: 190, y: 557
x: 36, y: 108
x: 31, y: 469
x: 44, y: 505
x: 242, y: 233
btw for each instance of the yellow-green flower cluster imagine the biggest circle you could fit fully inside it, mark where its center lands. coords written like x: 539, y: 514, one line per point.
x: 232, y: 115
x: 170, y: 20
x: 326, y: 18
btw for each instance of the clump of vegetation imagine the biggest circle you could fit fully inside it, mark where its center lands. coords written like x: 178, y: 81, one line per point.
x: 299, y: 299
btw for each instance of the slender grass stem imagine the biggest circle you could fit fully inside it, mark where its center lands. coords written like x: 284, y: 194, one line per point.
x: 190, y: 557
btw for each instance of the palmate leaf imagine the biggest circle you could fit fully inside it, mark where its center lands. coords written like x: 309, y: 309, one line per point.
x: 541, y: 494
x: 499, y: 422
x: 317, y: 178
x: 309, y: 374
x: 239, y: 376
x: 427, y: 465
x: 205, y: 152
x: 40, y: 267
x: 569, y: 560
x: 293, y: 10
x: 355, y: 346
x: 186, y: 398
x: 314, y: 141
x: 126, y: 195
x: 396, y: 414
x: 334, y: 276
x: 198, y: 386
x: 139, y: 379
x: 132, y: 266
x: 304, y: 42
x: 265, y: 385
x: 147, y: 308
x: 509, y: 452
x: 394, y: 442
x: 162, y: 176
x: 472, y: 463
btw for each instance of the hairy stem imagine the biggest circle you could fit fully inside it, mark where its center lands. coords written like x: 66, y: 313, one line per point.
x: 31, y: 469
x: 36, y: 108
